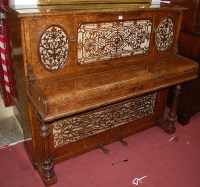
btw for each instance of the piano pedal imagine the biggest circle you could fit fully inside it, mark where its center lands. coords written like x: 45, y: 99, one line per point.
x: 124, y: 143
x: 105, y: 151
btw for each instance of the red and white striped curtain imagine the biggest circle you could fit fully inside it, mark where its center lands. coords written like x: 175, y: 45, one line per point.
x: 6, y: 69
x: 4, y: 66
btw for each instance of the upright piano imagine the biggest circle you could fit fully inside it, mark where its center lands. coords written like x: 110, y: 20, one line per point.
x: 88, y: 74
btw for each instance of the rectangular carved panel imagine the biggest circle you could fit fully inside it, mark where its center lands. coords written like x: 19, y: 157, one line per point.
x: 78, y: 127
x: 110, y: 40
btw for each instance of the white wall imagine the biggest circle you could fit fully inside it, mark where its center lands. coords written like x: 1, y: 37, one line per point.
x: 23, y: 2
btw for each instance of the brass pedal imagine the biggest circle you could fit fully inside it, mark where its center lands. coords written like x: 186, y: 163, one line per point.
x: 124, y: 143
x: 105, y: 151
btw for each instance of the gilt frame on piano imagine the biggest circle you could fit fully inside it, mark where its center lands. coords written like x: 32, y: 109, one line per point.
x: 53, y: 2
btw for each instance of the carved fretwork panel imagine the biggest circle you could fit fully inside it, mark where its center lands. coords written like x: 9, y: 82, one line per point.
x: 53, y: 48
x: 164, y: 34
x: 84, y: 125
x: 110, y: 40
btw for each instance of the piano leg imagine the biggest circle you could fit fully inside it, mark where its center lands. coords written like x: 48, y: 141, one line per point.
x: 46, y: 169
x: 169, y: 125
x: 172, y: 116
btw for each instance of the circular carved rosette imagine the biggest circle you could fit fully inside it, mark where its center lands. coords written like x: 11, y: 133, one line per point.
x: 164, y: 34
x: 53, y: 48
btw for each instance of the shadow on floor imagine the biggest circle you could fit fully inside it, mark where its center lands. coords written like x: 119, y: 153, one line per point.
x: 10, y: 131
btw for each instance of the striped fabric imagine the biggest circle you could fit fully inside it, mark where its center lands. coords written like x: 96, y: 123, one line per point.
x: 4, y: 66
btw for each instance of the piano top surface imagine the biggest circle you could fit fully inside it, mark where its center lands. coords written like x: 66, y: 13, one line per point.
x: 35, y: 10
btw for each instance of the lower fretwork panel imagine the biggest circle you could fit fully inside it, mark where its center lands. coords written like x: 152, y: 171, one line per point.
x: 81, y: 126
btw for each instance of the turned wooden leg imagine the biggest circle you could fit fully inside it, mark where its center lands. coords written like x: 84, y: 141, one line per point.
x: 172, y: 116
x: 169, y: 124
x: 47, y: 168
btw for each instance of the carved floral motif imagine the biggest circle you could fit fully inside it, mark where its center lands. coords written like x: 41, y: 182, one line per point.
x: 53, y: 48
x: 111, y: 40
x: 164, y: 34
x: 87, y: 124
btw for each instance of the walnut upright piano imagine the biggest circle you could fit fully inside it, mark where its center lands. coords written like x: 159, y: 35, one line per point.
x: 93, y: 73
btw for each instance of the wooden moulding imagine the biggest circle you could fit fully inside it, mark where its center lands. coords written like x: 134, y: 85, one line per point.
x: 53, y: 2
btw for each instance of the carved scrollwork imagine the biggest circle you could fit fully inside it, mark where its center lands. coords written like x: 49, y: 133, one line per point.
x: 164, y: 34
x: 53, y: 48
x: 111, y: 40
x: 87, y: 124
